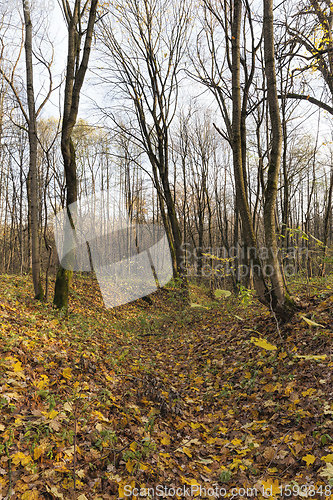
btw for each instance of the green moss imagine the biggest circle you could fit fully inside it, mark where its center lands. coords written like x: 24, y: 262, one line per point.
x: 62, y: 285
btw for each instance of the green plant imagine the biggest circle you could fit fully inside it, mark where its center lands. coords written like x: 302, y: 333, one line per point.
x: 245, y: 295
x: 225, y: 476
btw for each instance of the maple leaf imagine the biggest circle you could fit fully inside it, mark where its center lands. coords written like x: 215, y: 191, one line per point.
x: 327, y: 471
x: 130, y: 464
x: 187, y: 451
x: 165, y: 440
x: 309, y: 459
x: 30, y: 495
x: 270, y: 488
x: 20, y: 458
x: 38, y: 452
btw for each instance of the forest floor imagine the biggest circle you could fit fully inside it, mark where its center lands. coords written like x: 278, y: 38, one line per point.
x: 207, y: 401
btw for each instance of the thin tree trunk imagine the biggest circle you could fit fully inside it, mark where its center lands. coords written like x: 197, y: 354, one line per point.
x: 242, y: 202
x: 280, y: 302
x: 33, y: 176
x: 75, y: 75
x: 327, y: 220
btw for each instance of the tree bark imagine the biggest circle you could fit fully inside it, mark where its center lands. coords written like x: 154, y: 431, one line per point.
x: 241, y: 197
x: 280, y: 302
x: 75, y: 74
x: 33, y: 144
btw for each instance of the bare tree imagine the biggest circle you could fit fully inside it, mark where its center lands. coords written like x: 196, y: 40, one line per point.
x: 280, y: 301
x: 79, y: 46
x: 144, y: 43
x: 30, y: 117
x: 33, y: 145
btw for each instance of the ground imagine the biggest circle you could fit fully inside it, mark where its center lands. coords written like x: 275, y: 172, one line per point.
x: 209, y: 399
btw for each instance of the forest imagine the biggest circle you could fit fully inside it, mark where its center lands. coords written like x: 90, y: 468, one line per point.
x: 166, y: 236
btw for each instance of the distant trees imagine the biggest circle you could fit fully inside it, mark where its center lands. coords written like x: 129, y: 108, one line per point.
x: 144, y: 44
x: 241, y: 186
x: 29, y: 114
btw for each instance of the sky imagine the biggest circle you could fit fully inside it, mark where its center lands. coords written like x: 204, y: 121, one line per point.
x: 47, y: 15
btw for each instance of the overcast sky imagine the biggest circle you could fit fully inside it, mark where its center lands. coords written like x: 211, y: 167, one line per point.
x: 48, y: 16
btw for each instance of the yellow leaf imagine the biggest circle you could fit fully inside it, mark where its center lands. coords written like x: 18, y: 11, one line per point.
x: 327, y: 471
x: 52, y: 414
x: 143, y: 467
x: 41, y: 384
x: 67, y: 373
x: 38, y: 452
x: 271, y: 487
x: 309, y: 459
x: 315, y: 357
x: 133, y: 446
x: 328, y: 459
x: 121, y: 488
x: 298, y: 436
x: 165, y: 440
x: 16, y: 457
x: 309, y: 392
x: 100, y: 416
x: 211, y: 440
x: 187, y: 451
x: 20, y: 457
x: 190, y: 482
x: 18, y: 367
x: 30, y: 495
x: 260, y: 342
x: 195, y: 425
x: 269, y: 388
x: 130, y: 466
x: 310, y: 322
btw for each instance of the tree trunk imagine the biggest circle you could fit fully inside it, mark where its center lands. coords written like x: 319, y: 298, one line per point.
x: 33, y: 176
x: 279, y: 300
x: 75, y: 74
x: 327, y: 220
x: 241, y: 197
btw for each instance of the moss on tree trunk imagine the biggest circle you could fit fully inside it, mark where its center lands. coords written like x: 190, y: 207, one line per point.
x: 62, y: 286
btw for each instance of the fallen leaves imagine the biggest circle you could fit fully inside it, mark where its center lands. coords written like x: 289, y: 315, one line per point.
x: 309, y: 459
x: 197, y: 404
x: 310, y: 322
x: 67, y: 373
x: 263, y: 343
